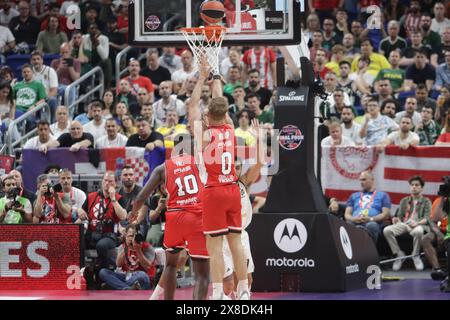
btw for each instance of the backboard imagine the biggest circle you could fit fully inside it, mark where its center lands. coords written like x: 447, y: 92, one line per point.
x: 156, y: 23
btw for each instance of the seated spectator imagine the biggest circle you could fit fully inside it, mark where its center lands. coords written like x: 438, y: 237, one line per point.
x: 42, y: 139
x: 50, y: 40
x: 129, y: 189
x: 336, y: 209
x: 188, y: 70
x: 368, y: 208
x: 48, y: 77
x: 120, y: 109
x: 412, y: 218
x: 68, y: 70
x: 24, y: 27
x: 6, y: 74
x: 430, y: 38
x: 76, y: 42
x: 422, y: 98
x: 75, y: 140
x: 254, y: 87
x: 75, y: 196
x: 331, y: 112
x: 128, y: 126
x: 143, y: 97
x: 445, y: 38
x: 234, y: 79
x: 232, y: 61
x: 442, y: 105
x: 171, y: 128
x: 363, y: 78
x: 49, y: 207
x: 137, y: 81
x: 419, y: 72
x: 336, y: 138
x: 404, y: 138
x: 85, y: 117
x: 147, y: 113
x: 444, y: 138
x: 245, y: 118
x: 377, y: 62
x: 389, y: 108
x: 410, y: 111
x: 317, y: 44
x: 428, y: 130
x: 145, y: 137
x: 117, y: 40
x: 135, y: 261
x: 7, y: 13
x: 416, y: 44
x: 125, y: 95
x: 91, y: 11
x: 395, y: 75
x: 112, y: 139
x: 158, y: 208
x: 109, y: 98
x: 14, y: 208
x: 331, y: 85
x: 205, y: 98
x: 96, y: 127
x: 330, y: 36
x: 376, y: 127
x: 103, y: 209
x: 320, y: 62
x: 262, y: 59
x: 239, y: 103
x: 7, y: 109
x: 167, y: 101
x: 52, y: 169
x: 439, y: 22
x: 349, y: 44
x: 7, y: 43
x: 170, y: 60
x: 55, y: 11
x: 350, y: 129
x: 23, y: 191
x: 187, y: 88
x: 344, y: 82
x: 338, y: 51
x: 443, y: 73
x: 383, y: 90
x: 393, y: 42
x: 95, y: 52
x: 254, y: 105
x: 155, y: 71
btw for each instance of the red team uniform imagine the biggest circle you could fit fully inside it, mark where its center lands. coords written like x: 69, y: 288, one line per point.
x: 184, y: 207
x: 221, y: 198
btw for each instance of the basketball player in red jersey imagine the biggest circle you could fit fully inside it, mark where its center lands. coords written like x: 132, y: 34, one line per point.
x: 222, y: 199
x: 183, y: 218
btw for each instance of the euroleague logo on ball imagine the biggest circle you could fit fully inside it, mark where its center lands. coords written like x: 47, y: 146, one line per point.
x: 152, y: 22
x: 290, y: 137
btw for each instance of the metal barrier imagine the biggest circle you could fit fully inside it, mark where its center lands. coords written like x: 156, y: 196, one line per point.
x: 119, y: 73
x: 24, y: 137
x: 99, y: 87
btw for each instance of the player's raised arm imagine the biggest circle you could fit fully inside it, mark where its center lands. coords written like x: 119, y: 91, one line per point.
x: 156, y: 178
x: 193, y: 108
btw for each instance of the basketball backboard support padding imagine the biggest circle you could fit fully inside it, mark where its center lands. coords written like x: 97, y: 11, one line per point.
x: 156, y: 23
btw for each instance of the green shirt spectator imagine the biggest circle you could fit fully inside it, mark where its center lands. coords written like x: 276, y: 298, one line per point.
x: 52, y: 38
x: 395, y: 77
x: 428, y: 130
x: 14, y: 208
x: 254, y: 105
x: 28, y: 92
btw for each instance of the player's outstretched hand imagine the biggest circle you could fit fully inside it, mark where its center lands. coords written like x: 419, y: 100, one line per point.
x: 204, y: 67
x: 256, y: 129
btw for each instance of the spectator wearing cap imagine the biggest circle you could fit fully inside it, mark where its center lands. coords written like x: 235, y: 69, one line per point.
x: 393, y: 41
x: 377, y: 61
x: 24, y: 27
x: 420, y: 72
x: 137, y: 81
x: 96, y: 52
x: 50, y: 40
x: 155, y: 71
x: 145, y: 137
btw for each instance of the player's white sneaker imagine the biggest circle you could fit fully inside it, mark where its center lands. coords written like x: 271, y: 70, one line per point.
x: 245, y: 295
x: 222, y: 296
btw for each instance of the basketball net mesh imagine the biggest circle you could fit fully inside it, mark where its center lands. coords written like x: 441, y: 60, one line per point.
x: 205, y: 42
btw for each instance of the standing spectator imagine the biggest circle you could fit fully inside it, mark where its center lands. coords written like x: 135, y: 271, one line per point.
x: 137, y: 81
x: 91, y: 10
x: 14, y: 208
x: 75, y: 140
x: 167, y: 101
x: 23, y: 191
x: 62, y: 123
x: 103, y: 209
x: 443, y: 73
x: 377, y: 63
x: 254, y: 87
x: 117, y: 40
x: 376, y: 126
x: 344, y: 82
x: 428, y: 130
x: 7, y: 103
x: 170, y: 60
x: 50, y: 40
x: 242, y: 132
x: 24, y: 27
x: 412, y: 218
x: 439, y: 22
x: 68, y: 70
x: 188, y: 70
x: 135, y: 261
x: 410, y: 111
x: 40, y: 141
x: 7, y: 43
x: 350, y: 129
x: 96, y: 127
x: 112, y: 139
x: 404, y: 138
x: 75, y: 196
x: 444, y: 138
x: 336, y: 138
x: 155, y: 71
x: 342, y: 25
x: 420, y: 72
x: 145, y: 137
x: 122, y: 19
x: 7, y: 13
x: 49, y: 207
x: 330, y: 36
x: 262, y: 59
x: 393, y: 42
x: 368, y: 208
x: 54, y: 11
x: 171, y: 128
x: 423, y: 99
x: 395, y: 75
x: 254, y: 105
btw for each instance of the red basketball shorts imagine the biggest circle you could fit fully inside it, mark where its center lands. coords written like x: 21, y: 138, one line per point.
x: 184, y: 230
x: 222, y: 210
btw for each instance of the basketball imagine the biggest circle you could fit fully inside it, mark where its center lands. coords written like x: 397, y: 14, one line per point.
x: 212, y: 12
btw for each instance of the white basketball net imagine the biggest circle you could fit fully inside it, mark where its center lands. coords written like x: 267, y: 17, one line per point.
x: 205, y: 42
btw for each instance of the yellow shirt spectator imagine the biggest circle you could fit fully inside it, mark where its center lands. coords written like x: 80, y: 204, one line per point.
x: 246, y: 136
x: 170, y: 132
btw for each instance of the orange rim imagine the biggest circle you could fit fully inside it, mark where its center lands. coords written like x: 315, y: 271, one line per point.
x: 213, y: 33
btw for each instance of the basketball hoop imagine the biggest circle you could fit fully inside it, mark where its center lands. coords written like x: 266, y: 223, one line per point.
x: 205, y: 42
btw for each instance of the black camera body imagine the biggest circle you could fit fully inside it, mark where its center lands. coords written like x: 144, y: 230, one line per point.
x: 444, y: 189
x: 102, y: 223
x: 13, y: 194
x: 48, y: 193
x: 139, y: 237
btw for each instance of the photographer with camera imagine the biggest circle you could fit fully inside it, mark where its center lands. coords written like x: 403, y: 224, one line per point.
x: 14, y: 208
x: 103, y: 209
x: 49, y: 206
x: 442, y: 210
x: 136, y: 262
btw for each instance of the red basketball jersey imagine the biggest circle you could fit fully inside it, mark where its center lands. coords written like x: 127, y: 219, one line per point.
x: 183, y: 184
x: 218, y: 156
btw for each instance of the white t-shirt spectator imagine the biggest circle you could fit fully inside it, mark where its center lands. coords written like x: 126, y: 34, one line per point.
x: 6, y: 18
x: 439, y: 26
x: 6, y: 37
x: 345, y: 141
x: 104, y: 142
x: 47, y: 76
x: 352, y: 133
x: 159, y: 108
x: 34, y: 142
x: 96, y: 131
x: 180, y: 76
x: 416, y: 118
x: 410, y: 138
x: 56, y: 131
x: 77, y: 198
x: 378, y: 129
